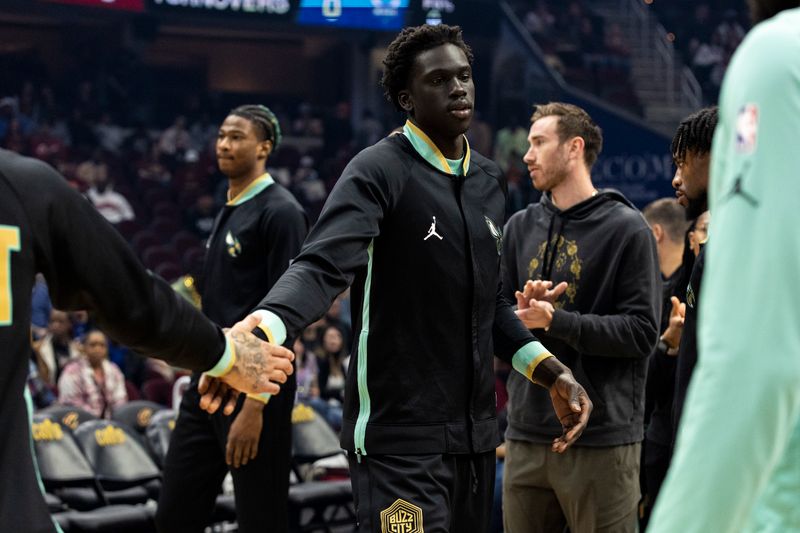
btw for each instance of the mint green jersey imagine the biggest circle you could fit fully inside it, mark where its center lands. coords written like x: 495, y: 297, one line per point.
x: 736, y: 465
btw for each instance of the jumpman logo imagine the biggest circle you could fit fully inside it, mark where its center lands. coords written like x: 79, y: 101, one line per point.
x: 738, y: 190
x: 432, y: 231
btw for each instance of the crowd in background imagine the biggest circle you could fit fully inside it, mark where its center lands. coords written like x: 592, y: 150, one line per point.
x: 706, y: 35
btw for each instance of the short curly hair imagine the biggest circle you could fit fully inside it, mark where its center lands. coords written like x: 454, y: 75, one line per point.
x: 407, y: 46
x: 573, y: 121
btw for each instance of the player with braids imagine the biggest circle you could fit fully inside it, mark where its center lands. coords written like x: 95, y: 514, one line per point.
x: 691, y: 149
x: 256, y: 235
x: 264, y: 120
x: 695, y: 134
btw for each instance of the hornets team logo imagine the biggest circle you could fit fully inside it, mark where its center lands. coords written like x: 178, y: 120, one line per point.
x: 233, y: 245
x: 496, y: 232
x: 401, y: 517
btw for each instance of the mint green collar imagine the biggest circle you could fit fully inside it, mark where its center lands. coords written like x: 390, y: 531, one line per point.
x: 431, y: 153
x: 258, y: 185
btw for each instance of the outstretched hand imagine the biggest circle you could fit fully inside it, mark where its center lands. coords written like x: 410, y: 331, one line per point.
x: 572, y: 406
x: 258, y: 368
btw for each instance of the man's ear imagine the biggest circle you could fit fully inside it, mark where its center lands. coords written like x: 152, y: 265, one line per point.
x: 576, y: 147
x: 658, y: 232
x: 264, y: 149
x: 405, y: 101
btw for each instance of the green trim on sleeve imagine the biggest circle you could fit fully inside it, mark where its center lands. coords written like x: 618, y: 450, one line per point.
x: 272, y: 326
x: 225, y: 362
x: 528, y: 358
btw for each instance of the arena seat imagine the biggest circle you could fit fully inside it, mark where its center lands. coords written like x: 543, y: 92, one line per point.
x: 68, y: 415
x: 314, y: 504
x: 158, y: 433
x: 125, y: 471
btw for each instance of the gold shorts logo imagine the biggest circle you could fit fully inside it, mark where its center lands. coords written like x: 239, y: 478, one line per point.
x: 109, y: 436
x: 401, y: 517
x: 47, y: 430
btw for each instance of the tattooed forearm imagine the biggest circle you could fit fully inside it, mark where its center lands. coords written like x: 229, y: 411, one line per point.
x: 251, y: 362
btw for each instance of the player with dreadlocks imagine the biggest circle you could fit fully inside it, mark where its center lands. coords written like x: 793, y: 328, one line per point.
x: 256, y: 235
x: 691, y: 151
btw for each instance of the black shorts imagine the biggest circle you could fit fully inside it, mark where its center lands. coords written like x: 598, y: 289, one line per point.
x: 432, y: 493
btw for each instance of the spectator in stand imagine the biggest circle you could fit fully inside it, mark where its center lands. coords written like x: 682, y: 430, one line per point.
x: 540, y: 20
x: 57, y: 347
x: 174, y: 141
x: 93, y: 169
x: 91, y: 382
x: 203, y: 134
x: 480, y: 135
x: 511, y: 143
x: 46, y: 145
x: 111, y: 204
x: 81, y: 132
x: 332, y: 364
x: 41, y: 393
x: 306, y: 124
x: 306, y: 370
x: 308, y: 188
x: 7, y: 111
x: 111, y: 136
x: 335, y: 317
x: 200, y: 218
x: 15, y: 140
x: 151, y: 169
x: 729, y: 31
x: 369, y: 130
x: 40, y: 307
x: 338, y: 133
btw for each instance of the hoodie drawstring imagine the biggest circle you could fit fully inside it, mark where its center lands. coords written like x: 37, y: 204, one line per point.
x: 553, y: 236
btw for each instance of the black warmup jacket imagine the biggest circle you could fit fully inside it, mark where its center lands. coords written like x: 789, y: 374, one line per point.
x: 427, y: 314
x: 251, y: 245
x: 605, y: 325
x: 687, y: 352
x: 47, y: 227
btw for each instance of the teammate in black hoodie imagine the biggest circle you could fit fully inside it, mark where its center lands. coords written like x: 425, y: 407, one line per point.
x: 600, y: 315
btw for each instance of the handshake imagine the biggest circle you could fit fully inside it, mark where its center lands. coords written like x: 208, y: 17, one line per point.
x: 257, y: 367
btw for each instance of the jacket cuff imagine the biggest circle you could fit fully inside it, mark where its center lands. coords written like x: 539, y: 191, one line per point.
x: 563, y: 324
x: 528, y: 358
x: 226, y: 361
x: 272, y: 326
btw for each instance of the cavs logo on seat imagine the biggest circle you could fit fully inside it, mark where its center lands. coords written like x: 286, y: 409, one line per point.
x: 143, y: 416
x: 401, y: 517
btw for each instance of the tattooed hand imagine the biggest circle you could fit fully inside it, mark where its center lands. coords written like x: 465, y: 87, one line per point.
x: 259, y: 367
